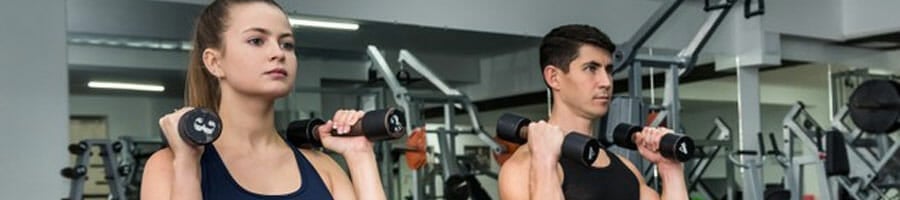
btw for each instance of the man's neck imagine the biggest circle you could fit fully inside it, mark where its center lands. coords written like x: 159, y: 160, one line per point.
x: 569, y: 120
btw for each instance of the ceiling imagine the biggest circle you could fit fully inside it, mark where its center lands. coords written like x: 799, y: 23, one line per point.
x: 885, y: 41
x: 167, y: 22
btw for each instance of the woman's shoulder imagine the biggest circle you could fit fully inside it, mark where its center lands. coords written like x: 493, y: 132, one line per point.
x: 320, y: 160
x: 160, y: 158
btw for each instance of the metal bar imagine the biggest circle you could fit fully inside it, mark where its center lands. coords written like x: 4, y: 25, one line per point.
x: 386, y: 169
x: 113, y: 179
x: 690, y: 53
x: 748, y: 129
x: 658, y: 61
x: 671, y: 97
x: 77, y: 190
x: 634, y: 81
x: 413, y: 62
x: 625, y: 55
x: 385, y: 69
x: 363, y: 91
x: 476, y: 125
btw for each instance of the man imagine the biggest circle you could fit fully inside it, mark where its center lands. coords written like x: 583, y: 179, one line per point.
x: 576, y: 66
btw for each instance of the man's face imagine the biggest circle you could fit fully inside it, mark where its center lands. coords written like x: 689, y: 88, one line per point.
x: 586, y: 88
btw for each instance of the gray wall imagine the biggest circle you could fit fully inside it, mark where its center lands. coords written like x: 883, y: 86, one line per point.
x: 33, y: 100
x: 125, y: 116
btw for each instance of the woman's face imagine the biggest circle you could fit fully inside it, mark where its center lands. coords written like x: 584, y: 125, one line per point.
x: 259, y: 54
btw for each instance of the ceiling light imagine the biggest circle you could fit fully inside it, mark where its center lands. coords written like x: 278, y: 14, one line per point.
x: 126, y: 86
x: 323, y: 24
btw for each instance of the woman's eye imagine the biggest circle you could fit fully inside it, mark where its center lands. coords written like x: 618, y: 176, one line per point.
x: 287, y: 45
x: 255, y: 41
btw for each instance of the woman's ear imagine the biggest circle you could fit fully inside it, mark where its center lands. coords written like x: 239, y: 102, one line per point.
x: 211, y: 62
x: 551, y: 76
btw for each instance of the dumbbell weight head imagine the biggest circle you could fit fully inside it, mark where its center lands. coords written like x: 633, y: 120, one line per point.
x: 672, y: 145
x: 678, y: 147
x: 199, y: 126
x: 77, y: 149
x: 509, y: 125
x: 584, y: 148
x: 383, y: 124
x: 302, y: 133
x: 73, y: 172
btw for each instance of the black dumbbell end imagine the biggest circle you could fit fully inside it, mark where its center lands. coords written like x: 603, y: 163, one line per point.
x: 200, y: 126
x: 622, y: 135
x: 580, y: 148
x: 509, y: 128
x: 303, y: 132
x: 77, y: 149
x: 678, y: 147
x: 383, y: 124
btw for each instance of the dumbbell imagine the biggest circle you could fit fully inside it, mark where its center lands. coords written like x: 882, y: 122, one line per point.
x: 576, y: 146
x: 77, y: 149
x: 199, y: 126
x: 376, y: 125
x: 673, y: 145
x: 74, y: 172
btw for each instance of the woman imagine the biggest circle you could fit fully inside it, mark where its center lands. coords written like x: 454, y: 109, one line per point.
x: 243, y: 59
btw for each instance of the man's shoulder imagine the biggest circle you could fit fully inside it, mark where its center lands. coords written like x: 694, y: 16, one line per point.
x: 520, y: 158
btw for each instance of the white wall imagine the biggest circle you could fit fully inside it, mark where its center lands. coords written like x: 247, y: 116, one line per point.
x: 33, y: 99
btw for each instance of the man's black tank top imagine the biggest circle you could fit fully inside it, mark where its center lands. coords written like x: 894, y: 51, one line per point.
x: 615, y: 181
x: 217, y: 183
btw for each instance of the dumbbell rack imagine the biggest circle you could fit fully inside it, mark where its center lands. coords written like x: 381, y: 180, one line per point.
x: 109, y: 151
x: 868, y: 161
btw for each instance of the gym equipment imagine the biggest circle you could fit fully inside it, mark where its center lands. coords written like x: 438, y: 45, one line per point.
x: 753, y: 167
x: 123, y: 162
x: 417, y: 151
x: 800, y: 127
x: 717, y: 142
x: 875, y: 106
x: 511, y: 148
x: 413, y: 103
x: 78, y: 172
x: 625, y: 57
x: 576, y: 146
x: 872, y: 159
x: 377, y: 125
x: 674, y: 146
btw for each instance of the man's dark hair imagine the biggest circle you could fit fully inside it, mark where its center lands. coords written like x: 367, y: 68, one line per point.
x: 560, y: 46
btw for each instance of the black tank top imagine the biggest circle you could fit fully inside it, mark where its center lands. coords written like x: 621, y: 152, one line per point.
x: 217, y: 183
x: 615, y: 181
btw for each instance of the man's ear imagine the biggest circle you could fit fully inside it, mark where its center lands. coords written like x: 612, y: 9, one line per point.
x: 211, y: 62
x: 551, y: 76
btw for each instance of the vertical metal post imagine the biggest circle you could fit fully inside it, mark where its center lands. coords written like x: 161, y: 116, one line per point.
x: 749, y: 123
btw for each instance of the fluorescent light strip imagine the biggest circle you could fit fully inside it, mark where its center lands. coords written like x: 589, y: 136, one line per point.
x: 126, y: 86
x: 323, y: 24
